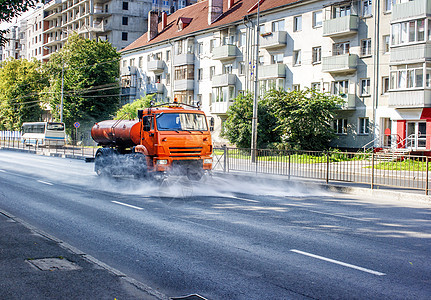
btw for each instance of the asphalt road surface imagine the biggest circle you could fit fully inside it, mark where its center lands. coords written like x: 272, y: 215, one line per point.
x: 227, y: 238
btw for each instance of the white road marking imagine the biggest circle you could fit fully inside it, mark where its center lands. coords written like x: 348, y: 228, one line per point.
x: 3, y: 171
x: 339, y: 262
x: 44, y: 182
x: 244, y: 199
x: 128, y: 205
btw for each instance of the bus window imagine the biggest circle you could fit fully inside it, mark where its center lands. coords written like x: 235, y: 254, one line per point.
x: 55, y: 126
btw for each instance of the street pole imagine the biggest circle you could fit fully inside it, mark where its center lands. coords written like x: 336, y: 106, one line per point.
x: 256, y: 90
x: 62, y: 93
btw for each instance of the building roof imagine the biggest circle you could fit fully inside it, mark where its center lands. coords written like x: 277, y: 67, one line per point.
x: 197, y: 14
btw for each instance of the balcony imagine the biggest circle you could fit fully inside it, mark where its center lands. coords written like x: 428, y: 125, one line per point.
x: 410, y: 99
x: 349, y: 102
x: 272, y: 71
x: 225, y: 52
x: 156, y: 66
x: 345, y: 63
x: 411, y: 10
x: 184, y: 85
x: 184, y: 59
x: 101, y: 13
x: 130, y: 70
x: 410, y: 53
x: 155, y: 88
x: 272, y: 40
x: 223, y: 80
x: 341, y: 26
x: 220, y: 107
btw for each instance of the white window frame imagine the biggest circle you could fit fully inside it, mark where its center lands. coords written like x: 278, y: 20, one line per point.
x: 340, y: 126
x: 297, y: 60
x: 366, y: 47
x: 363, y: 126
x: 365, y: 87
x: 316, y: 55
x: 317, y: 22
x: 367, y: 8
x: 297, y: 23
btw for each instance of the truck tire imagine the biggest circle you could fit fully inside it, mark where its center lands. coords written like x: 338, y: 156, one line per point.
x: 103, y: 161
x: 140, y: 165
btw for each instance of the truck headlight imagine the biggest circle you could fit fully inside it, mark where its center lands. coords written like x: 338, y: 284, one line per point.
x: 208, y: 161
x: 162, y: 162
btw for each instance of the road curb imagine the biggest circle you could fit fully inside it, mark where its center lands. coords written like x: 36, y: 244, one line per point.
x: 99, y: 264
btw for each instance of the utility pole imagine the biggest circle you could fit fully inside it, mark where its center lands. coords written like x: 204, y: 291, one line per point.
x: 62, y: 92
x: 256, y: 90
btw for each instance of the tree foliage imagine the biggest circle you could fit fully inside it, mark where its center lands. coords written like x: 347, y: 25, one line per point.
x: 304, y: 117
x: 131, y: 109
x: 10, y: 9
x: 20, y: 84
x: 91, y: 89
x: 238, y: 125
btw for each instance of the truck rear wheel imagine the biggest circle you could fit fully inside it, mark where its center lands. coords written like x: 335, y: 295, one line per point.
x: 103, y: 161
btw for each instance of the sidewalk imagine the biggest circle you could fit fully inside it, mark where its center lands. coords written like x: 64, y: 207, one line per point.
x: 34, y: 265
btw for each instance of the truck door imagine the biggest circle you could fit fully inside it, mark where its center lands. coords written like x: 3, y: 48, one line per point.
x: 148, y: 134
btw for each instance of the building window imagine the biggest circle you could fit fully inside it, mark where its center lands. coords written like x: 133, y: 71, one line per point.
x: 277, y: 58
x: 184, y: 72
x: 125, y: 5
x: 227, y: 68
x: 317, y: 19
x: 315, y: 86
x: 261, y: 60
x: 125, y: 21
x: 168, y: 79
x: 366, y: 8
x: 385, y: 85
x: 168, y: 55
x: 212, y: 44
x: 341, y: 11
x: 366, y: 47
x: 408, y: 32
x: 199, y: 48
x: 212, y: 71
x: 241, y: 67
x: 124, y: 36
x: 389, y: 4
x: 296, y: 87
x: 297, y: 57
x: 364, y: 124
x: 140, y: 61
x: 407, y: 78
x: 317, y: 55
x: 262, y: 28
x: 340, y: 87
x: 242, y: 39
x: 297, y: 23
x: 386, y: 39
x: 200, y: 74
x: 340, y: 126
x: 341, y: 48
x: 365, y: 87
x: 278, y: 26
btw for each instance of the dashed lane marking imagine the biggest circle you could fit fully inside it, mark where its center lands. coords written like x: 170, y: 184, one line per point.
x: 339, y: 262
x: 128, y: 205
x: 44, y: 182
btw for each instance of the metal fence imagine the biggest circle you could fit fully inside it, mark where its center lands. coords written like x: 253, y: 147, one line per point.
x: 376, y: 169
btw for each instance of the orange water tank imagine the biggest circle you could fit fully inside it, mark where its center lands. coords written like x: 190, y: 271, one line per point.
x: 122, y: 133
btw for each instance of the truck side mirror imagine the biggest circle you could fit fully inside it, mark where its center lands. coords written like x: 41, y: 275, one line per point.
x: 146, y: 124
x: 140, y: 114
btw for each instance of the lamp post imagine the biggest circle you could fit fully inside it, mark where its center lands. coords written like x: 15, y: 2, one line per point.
x: 256, y: 90
x: 62, y: 91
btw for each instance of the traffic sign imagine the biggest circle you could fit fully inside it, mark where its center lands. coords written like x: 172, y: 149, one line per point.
x: 76, y: 125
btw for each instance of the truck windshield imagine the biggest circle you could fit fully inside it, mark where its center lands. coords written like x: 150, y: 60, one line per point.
x: 181, y: 121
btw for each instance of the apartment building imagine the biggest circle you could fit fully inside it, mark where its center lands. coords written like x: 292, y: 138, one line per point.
x: 13, y: 47
x: 373, y: 55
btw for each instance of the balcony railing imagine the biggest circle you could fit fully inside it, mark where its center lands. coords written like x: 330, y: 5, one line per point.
x: 220, y: 107
x: 158, y: 88
x: 340, y: 63
x: 410, y: 99
x: 273, y: 39
x: 156, y: 65
x: 341, y: 26
x: 225, y: 52
x: 184, y: 85
x: 349, y: 101
x: 403, y: 54
x: 272, y: 71
x: 184, y: 59
x: 411, y: 10
x: 130, y: 70
x: 223, y: 80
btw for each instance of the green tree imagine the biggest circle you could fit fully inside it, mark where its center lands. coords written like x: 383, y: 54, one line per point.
x: 237, y: 128
x: 10, y: 9
x: 304, y: 117
x: 91, y: 89
x: 21, y: 82
x: 131, y: 109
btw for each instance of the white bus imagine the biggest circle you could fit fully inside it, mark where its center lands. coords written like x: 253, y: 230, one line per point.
x: 43, y: 133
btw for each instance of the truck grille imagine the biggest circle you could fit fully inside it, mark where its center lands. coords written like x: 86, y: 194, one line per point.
x: 185, y: 151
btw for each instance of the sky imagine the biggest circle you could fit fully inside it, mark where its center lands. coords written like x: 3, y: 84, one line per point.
x: 5, y: 25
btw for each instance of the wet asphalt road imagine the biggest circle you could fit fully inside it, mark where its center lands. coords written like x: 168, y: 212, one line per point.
x: 227, y: 238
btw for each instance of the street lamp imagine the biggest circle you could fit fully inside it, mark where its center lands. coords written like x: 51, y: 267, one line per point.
x: 256, y: 89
